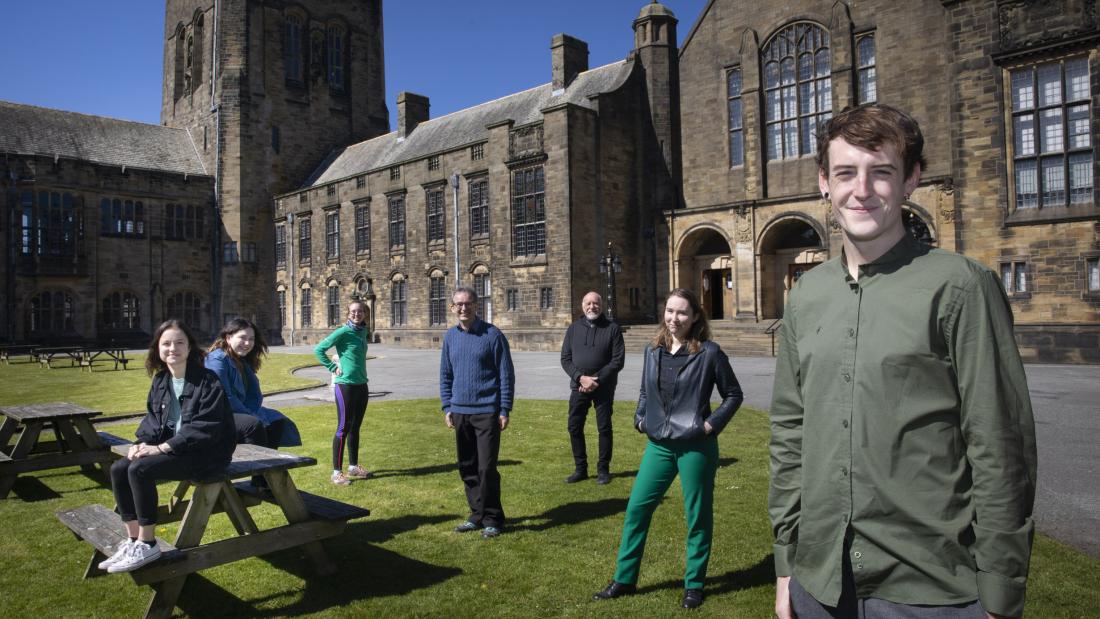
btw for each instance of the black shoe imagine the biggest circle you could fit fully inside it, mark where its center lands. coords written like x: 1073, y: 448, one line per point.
x: 576, y: 476
x: 693, y: 598
x: 603, y: 477
x: 466, y: 527
x: 614, y: 590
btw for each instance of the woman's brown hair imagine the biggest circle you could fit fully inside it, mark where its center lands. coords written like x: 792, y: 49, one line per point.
x: 700, y: 329
x: 259, y: 349
x: 153, y: 362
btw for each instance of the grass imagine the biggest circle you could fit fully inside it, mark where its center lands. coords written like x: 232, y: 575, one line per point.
x: 403, y: 561
x: 120, y: 391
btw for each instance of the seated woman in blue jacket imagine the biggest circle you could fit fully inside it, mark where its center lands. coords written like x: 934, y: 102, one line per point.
x: 681, y: 368
x: 235, y: 357
x: 187, y: 433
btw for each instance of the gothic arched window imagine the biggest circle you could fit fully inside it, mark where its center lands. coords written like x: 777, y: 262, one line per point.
x: 798, y: 92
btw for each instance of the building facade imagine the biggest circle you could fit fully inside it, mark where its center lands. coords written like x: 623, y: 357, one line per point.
x: 1005, y: 93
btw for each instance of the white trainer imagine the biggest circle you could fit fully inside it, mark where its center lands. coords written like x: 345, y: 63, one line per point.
x: 120, y: 552
x: 139, y: 554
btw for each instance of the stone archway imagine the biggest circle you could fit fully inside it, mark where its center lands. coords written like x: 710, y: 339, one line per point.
x: 704, y: 265
x: 789, y: 246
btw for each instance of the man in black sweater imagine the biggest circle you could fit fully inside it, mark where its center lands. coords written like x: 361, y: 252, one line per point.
x: 592, y: 355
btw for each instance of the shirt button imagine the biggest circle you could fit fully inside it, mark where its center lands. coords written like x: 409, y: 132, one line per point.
x: 857, y: 554
x: 859, y: 566
x: 844, y: 470
x: 851, y: 332
x: 844, y: 423
x: 847, y: 378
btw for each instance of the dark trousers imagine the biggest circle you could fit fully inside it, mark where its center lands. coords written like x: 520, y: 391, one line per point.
x: 579, y: 403
x: 477, y: 439
x: 250, y: 430
x: 135, y: 482
x: 806, y: 606
x: 351, y: 406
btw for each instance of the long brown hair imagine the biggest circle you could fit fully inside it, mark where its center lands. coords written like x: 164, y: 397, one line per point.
x: 700, y: 329
x: 259, y: 349
x: 153, y: 362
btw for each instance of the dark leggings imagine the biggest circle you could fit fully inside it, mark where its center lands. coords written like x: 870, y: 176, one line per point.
x: 135, y: 482
x: 351, y: 405
x: 252, y: 431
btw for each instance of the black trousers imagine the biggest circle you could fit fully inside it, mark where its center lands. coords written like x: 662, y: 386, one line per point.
x: 250, y: 430
x: 477, y: 439
x: 579, y: 402
x: 351, y: 407
x: 135, y: 482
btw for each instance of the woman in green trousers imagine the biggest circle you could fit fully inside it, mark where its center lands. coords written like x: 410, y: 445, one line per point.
x: 681, y: 369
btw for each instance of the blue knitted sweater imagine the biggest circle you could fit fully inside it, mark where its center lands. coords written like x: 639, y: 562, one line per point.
x: 475, y: 371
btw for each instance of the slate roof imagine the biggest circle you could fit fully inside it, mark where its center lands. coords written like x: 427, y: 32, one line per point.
x: 465, y: 126
x: 32, y: 130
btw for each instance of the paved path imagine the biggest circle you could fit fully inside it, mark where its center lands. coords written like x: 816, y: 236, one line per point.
x: 1066, y: 400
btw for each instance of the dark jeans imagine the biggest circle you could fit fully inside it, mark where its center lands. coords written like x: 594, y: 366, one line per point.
x: 250, y: 430
x: 135, y: 482
x: 351, y: 406
x: 579, y: 403
x: 477, y: 439
x: 805, y: 606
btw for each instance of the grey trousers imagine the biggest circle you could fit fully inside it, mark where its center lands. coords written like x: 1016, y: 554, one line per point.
x: 805, y: 606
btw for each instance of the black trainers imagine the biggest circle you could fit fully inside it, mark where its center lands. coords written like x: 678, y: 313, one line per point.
x: 693, y: 598
x: 603, y: 477
x: 466, y: 527
x: 576, y: 476
x: 614, y: 590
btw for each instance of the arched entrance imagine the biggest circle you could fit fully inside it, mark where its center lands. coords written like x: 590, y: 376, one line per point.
x: 789, y: 246
x: 704, y: 265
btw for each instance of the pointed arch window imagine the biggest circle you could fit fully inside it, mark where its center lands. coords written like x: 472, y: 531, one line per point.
x: 292, y: 48
x: 50, y: 312
x: 185, y: 306
x: 121, y: 312
x: 798, y: 95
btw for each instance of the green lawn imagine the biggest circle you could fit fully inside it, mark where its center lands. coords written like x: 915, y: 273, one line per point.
x: 119, y: 391
x: 404, y: 561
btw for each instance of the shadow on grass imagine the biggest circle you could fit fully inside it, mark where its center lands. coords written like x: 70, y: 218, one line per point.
x: 569, y: 513
x: 363, y: 570
x: 760, y: 575
x: 31, y: 489
x: 432, y: 470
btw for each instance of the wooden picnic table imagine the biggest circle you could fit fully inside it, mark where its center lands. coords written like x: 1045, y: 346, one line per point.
x: 76, y: 440
x: 89, y: 354
x: 310, y: 518
x: 7, y: 351
x: 46, y: 354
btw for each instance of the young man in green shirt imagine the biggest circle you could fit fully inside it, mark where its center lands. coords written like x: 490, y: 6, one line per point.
x: 903, y: 444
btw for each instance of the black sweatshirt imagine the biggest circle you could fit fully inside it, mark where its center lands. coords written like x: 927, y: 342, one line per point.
x: 593, y: 348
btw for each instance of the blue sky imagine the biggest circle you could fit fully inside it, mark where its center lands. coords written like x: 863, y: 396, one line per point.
x: 106, y: 58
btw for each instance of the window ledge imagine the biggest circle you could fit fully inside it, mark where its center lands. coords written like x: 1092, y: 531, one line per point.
x: 529, y: 261
x: 333, y: 260
x: 1091, y: 295
x: 1019, y: 296
x: 1029, y: 216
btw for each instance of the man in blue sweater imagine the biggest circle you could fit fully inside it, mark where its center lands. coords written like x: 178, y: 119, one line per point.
x: 476, y: 384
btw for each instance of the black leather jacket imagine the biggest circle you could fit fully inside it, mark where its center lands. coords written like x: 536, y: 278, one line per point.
x: 690, y: 406
x: 207, y: 421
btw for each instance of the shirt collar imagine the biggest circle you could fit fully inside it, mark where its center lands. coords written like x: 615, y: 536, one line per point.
x: 903, y: 251
x: 475, y: 326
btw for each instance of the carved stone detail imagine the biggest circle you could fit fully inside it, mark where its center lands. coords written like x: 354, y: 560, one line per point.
x: 947, y: 214
x: 525, y: 141
x: 1016, y: 21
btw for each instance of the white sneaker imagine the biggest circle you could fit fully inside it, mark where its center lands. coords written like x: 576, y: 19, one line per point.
x: 139, y: 554
x: 120, y: 552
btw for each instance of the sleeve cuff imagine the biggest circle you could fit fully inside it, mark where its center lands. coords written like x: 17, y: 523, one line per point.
x: 1001, y: 595
x: 784, y: 559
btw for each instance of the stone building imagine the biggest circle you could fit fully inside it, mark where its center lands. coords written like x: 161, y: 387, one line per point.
x: 1004, y: 92
x: 255, y: 94
x: 517, y: 197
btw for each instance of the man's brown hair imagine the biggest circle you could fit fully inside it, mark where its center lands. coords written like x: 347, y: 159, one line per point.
x: 870, y: 126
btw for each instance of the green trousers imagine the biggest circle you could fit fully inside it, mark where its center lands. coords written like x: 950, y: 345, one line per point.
x: 697, y: 463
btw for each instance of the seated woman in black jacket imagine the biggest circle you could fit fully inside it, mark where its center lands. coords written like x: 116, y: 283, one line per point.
x: 187, y: 433
x: 681, y: 369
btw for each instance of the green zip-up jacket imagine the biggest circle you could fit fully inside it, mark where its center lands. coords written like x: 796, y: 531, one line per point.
x: 351, y: 346
x: 902, y: 434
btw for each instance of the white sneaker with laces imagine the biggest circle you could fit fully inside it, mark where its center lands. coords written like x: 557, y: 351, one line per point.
x: 120, y: 552
x: 139, y: 554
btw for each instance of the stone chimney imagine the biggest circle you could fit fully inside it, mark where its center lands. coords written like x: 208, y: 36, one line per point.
x: 412, y: 109
x: 570, y: 57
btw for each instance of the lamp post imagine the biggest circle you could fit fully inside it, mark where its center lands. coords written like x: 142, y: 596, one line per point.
x: 609, y: 266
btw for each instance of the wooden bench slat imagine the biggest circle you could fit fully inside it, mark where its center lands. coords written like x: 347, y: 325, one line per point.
x: 100, y: 527
x: 319, y: 507
x: 4, y: 457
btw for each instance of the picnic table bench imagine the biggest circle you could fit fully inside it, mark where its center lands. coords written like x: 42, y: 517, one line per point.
x: 310, y: 519
x: 76, y: 441
x: 46, y: 355
x: 90, y: 353
x: 7, y: 351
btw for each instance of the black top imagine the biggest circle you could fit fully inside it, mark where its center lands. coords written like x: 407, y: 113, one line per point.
x: 593, y: 348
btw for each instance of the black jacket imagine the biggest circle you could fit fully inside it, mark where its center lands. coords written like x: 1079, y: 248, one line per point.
x: 207, y: 421
x: 690, y: 406
x: 593, y: 349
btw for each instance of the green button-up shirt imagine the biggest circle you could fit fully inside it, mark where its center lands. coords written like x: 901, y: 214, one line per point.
x: 902, y: 434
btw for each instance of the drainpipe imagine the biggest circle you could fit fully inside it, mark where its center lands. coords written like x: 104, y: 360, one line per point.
x: 454, y: 210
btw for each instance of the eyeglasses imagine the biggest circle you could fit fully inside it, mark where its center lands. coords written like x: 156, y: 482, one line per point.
x: 463, y: 304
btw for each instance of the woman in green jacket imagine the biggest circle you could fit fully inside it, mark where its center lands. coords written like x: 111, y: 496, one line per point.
x: 350, y: 387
